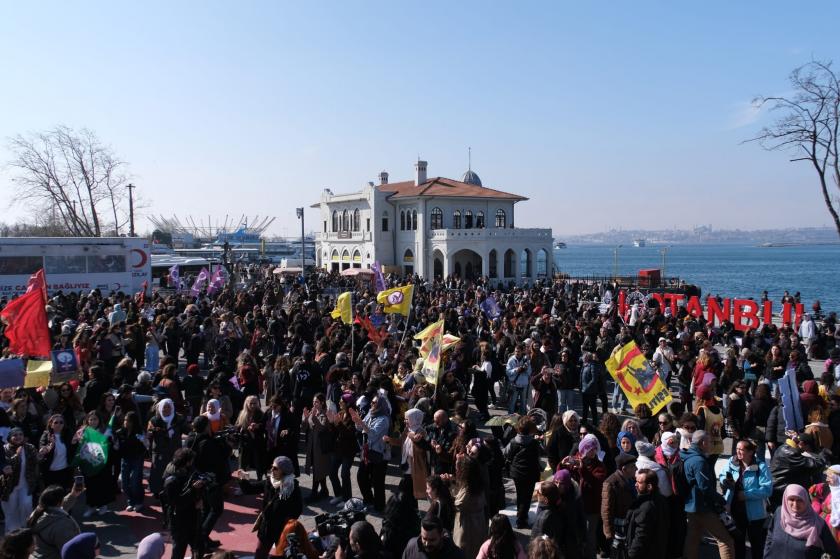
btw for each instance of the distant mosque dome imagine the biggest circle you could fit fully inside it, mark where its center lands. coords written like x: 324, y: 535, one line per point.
x: 471, y: 177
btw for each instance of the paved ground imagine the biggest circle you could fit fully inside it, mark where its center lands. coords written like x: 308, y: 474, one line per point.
x: 120, y: 531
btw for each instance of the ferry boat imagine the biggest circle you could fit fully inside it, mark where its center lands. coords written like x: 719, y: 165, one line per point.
x: 639, y: 242
x: 559, y: 245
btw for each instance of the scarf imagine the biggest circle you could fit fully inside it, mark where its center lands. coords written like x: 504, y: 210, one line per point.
x: 805, y: 526
x: 589, y: 442
x: 214, y: 416
x: 667, y: 449
x: 567, y: 415
x: 414, y: 422
x: 284, y: 486
x: 627, y: 435
x: 167, y: 418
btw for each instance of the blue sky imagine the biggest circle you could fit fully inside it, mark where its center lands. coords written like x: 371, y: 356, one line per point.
x: 605, y: 114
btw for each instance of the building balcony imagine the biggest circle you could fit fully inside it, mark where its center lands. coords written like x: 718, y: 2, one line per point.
x: 519, y: 235
x: 350, y: 236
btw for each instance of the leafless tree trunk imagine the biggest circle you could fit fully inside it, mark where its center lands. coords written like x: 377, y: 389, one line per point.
x: 808, y: 127
x: 74, y: 175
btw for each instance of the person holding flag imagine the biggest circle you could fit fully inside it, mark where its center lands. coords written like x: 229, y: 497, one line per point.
x: 94, y: 445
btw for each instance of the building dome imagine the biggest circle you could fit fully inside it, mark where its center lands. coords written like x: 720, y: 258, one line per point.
x: 471, y: 177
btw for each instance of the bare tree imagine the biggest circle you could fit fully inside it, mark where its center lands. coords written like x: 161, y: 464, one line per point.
x: 808, y: 127
x: 73, y: 177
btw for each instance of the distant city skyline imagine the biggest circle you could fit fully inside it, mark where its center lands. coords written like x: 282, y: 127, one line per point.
x: 632, y: 116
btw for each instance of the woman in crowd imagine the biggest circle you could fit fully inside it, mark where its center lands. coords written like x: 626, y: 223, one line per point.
x: 400, y: 522
x: 51, y: 522
x: 281, y: 501
x: 747, y: 483
x: 218, y: 419
x: 100, y: 482
x: 56, y: 453
x: 164, y: 433
x: 131, y: 442
x: 441, y: 503
x: 588, y: 468
x: 756, y: 416
x: 214, y: 392
x: 470, y: 523
x: 562, y: 436
x: 69, y: 405
x: 626, y: 442
x: 20, y: 416
x: 17, y: 544
x: 415, y: 461
x: 252, y: 446
x: 320, y: 450
x: 19, y: 479
x: 798, y: 531
x: 502, y: 543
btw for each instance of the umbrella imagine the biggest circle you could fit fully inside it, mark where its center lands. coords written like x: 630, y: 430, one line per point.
x: 502, y: 420
x: 353, y: 272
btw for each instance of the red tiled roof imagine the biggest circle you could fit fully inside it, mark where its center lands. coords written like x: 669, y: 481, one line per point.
x: 442, y: 187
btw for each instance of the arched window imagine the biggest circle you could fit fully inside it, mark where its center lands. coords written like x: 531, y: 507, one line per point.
x: 542, y: 263
x: 402, y: 221
x: 501, y: 219
x: 357, y: 221
x: 468, y: 219
x: 414, y: 219
x: 408, y: 256
x: 492, y: 264
x: 525, y: 263
x: 456, y: 219
x: 510, y: 262
x: 335, y: 221
x: 437, y: 218
x: 345, y: 221
x: 479, y: 220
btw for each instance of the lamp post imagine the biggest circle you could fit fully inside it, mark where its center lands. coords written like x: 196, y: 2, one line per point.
x: 663, y: 251
x: 302, y: 243
x: 131, y: 188
x: 615, y: 261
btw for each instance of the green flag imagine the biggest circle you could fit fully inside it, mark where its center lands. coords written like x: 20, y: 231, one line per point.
x: 92, y: 454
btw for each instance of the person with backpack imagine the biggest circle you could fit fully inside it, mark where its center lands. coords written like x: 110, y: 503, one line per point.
x: 523, y: 455
x: 702, y: 502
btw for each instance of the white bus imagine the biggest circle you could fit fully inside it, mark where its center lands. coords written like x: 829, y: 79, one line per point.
x: 110, y: 264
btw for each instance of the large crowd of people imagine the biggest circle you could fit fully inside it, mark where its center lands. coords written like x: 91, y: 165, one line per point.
x: 202, y: 395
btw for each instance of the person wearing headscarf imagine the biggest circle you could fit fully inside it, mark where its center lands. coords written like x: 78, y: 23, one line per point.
x: 798, y: 531
x: 19, y: 479
x: 83, y: 546
x: 164, y: 433
x: 218, y: 419
x: 375, y: 426
x: 626, y: 443
x: 563, y: 434
x: 152, y: 546
x: 668, y: 456
x: 590, y: 472
x: 282, y: 501
x: 645, y: 461
x: 415, y: 461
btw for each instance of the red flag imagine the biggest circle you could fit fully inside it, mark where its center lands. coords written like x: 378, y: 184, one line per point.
x: 26, y: 320
x: 373, y: 334
x: 140, y: 296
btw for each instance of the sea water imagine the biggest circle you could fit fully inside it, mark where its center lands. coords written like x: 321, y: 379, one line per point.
x: 737, y: 271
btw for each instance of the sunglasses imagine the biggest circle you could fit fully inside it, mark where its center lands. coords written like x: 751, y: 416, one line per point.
x: 664, y: 422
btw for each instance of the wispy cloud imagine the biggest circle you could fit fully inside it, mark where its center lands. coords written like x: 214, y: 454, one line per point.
x: 743, y: 114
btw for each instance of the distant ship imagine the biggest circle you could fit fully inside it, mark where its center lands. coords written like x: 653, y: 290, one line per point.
x: 559, y: 245
x: 639, y: 242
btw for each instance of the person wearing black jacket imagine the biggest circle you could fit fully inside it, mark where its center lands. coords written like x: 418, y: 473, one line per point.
x: 306, y: 379
x: 795, y: 466
x: 400, y: 522
x: 282, y: 501
x: 523, y: 455
x: 647, y: 521
x: 182, y: 493
x: 211, y: 457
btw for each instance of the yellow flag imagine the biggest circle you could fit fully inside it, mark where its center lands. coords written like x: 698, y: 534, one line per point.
x: 637, y: 379
x: 37, y: 374
x: 397, y: 300
x: 432, y: 353
x: 343, y: 309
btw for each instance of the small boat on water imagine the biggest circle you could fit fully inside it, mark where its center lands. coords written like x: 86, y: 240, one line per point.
x: 639, y: 242
x: 559, y: 245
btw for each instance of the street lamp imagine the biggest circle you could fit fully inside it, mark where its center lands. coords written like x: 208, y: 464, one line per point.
x: 615, y: 260
x: 663, y: 251
x: 299, y: 212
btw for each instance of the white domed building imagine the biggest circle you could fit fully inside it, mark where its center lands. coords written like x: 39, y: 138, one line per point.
x: 434, y: 227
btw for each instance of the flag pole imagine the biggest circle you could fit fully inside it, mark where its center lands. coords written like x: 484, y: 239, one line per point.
x: 352, y: 336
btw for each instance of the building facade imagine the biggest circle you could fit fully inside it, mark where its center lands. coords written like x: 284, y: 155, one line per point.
x: 434, y: 227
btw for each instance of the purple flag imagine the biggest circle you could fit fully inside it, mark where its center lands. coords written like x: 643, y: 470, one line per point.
x: 378, y: 278
x: 217, y: 282
x: 491, y: 308
x: 174, y: 278
x: 202, y: 278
